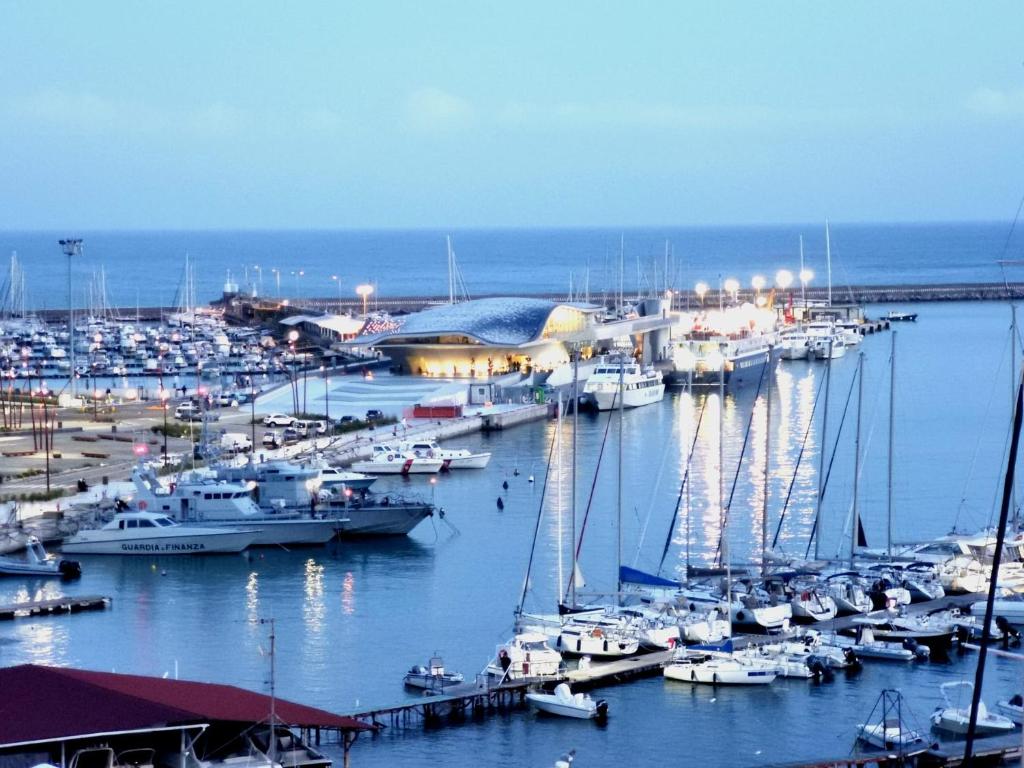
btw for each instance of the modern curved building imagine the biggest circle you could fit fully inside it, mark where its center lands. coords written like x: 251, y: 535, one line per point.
x: 481, y: 338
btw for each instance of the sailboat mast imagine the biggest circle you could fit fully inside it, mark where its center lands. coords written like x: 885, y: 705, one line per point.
x: 828, y: 259
x: 803, y: 283
x: 723, y: 515
x: 558, y: 491
x: 575, y: 426
x: 821, y: 458
x: 892, y: 427
x: 767, y: 469
x: 618, y: 526
x: 854, y: 533
x: 1013, y: 395
x: 451, y: 271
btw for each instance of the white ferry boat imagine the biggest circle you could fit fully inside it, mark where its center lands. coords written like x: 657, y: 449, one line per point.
x: 638, y: 387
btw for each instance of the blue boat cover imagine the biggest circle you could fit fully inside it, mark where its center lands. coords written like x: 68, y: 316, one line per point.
x: 633, y: 576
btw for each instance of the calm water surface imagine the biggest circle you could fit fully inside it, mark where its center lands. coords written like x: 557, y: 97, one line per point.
x: 352, y: 618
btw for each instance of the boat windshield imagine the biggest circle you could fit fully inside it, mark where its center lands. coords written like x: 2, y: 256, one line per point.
x: 165, y: 522
x: 538, y: 645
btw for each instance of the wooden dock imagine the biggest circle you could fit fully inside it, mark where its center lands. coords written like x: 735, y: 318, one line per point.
x: 58, y: 605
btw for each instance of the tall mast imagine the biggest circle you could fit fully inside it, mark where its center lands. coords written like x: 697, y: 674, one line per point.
x: 803, y: 283
x: 828, y: 259
x: 767, y: 468
x: 622, y: 270
x: 854, y: 533
x: 618, y: 526
x: 451, y: 270
x: 1013, y: 395
x: 892, y: 427
x: 575, y: 426
x: 723, y: 515
x: 821, y: 458
x: 558, y: 492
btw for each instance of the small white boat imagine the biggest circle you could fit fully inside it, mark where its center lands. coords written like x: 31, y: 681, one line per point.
x: 623, y: 383
x: 583, y: 638
x: 1010, y: 608
x: 867, y: 647
x: 38, y: 563
x: 826, y: 347
x: 526, y: 656
x: 1012, y: 708
x: 386, y: 460
x: 452, y: 458
x: 433, y: 677
x: 720, y: 668
x: 955, y: 720
x: 150, y: 533
x: 332, y: 477
x: 890, y: 735
x: 565, y: 703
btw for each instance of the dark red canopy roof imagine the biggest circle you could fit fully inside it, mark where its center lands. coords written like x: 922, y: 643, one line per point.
x: 51, y: 703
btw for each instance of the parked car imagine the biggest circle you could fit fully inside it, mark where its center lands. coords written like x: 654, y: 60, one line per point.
x: 310, y: 428
x: 272, y: 439
x: 374, y: 414
x: 188, y: 412
x: 290, y: 435
x: 278, y: 420
x: 226, y: 399
x: 235, y: 442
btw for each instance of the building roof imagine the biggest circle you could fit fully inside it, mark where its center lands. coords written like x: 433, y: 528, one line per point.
x: 345, y: 325
x: 496, y: 321
x: 41, y: 704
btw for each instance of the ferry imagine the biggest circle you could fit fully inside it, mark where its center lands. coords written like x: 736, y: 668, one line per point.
x: 637, y: 386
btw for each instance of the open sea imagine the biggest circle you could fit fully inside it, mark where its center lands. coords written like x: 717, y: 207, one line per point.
x: 146, y: 268
x: 352, y: 617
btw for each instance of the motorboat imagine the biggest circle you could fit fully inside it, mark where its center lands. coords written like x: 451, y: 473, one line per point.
x: 583, y: 638
x: 894, y: 316
x: 828, y: 347
x: 794, y: 345
x: 890, y: 734
x: 333, y: 477
x: 280, y: 746
x: 565, y: 703
x: 797, y: 666
x: 1010, y: 608
x: 151, y: 533
x: 708, y: 359
x: 37, y: 562
x: 526, y: 656
x: 866, y: 646
x: 622, y: 383
x: 387, y: 460
x: 1012, y: 708
x: 892, y: 626
x: 452, y: 458
x: 714, y: 667
x: 203, y: 501
x: 955, y: 720
x: 433, y: 677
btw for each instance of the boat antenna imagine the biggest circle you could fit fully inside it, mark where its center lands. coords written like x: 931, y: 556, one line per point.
x: 1004, y: 511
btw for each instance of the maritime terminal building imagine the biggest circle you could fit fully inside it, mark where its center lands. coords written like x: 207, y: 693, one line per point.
x: 493, y: 336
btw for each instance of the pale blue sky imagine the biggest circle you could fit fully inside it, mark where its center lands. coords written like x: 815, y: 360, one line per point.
x: 380, y: 114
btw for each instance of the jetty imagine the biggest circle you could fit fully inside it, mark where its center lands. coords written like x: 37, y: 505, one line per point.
x: 54, y: 606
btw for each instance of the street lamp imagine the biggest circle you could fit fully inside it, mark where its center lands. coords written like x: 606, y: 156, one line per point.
x: 71, y: 248
x: 327, y: 399
x: 806, y: 276
x: 758, y: 282
x: 277, y: 279
x: 164, y: 394
x: 783, y: 278
x: 293, y: 336
x: 701, y: 289
x: 338, y: 282
x: 732, y: 286
x: 364, y: 290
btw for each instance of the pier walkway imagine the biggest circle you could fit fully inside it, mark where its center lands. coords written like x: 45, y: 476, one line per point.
x: 58, y: 605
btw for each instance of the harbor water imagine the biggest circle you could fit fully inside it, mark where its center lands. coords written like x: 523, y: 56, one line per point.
x: 351, y: 618
x: 146, y: 268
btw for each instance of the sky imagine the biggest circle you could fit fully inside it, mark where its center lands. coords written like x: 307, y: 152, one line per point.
x: 258, y: 114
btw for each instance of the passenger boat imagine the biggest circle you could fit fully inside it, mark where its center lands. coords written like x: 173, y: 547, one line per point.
x: 703, y: 359
x: 38, y: 563
x: 611, y: 379
x: 564, y: 703
x: 388, y: 460
x: 453, y: 458
x: 150, y: 533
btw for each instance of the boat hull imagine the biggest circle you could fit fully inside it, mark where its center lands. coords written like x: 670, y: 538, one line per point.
x: 381, y: 521
x: 634, y: 398
x: 400, y: 466
x: 743, y: 369
x: 294, y: 532
x: 548, y: 703
x: 720, y: 674
x: 473, y: 461
x: 226, y: 542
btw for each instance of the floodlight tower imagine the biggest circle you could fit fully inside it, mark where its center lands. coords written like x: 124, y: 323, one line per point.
x: 71, y: 248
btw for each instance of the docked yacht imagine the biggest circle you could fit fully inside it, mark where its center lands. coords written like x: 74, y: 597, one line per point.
x: 526, y: 656
x: 388, y: 460
x: 703, y: 359
x: 714, y: 667
x: 452, y: 458
x: 150, y: 533
x: 610, y: 379
x: 204, y: 501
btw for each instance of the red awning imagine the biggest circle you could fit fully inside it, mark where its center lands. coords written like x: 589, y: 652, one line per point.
x: 52, y: 703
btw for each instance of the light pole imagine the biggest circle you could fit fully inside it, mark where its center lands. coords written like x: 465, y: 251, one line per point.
x: 293, y: 336
x: 364, y: 290
x: 164, y: 394
x: 732, y: 287
x: 758, y: 283
x: 277, y: 281
x: 43, y: 392
x: 337, y: 281
x: 806, y: 276
x: 71, y: 248
x: 701, y: 289
x: 327, y: 398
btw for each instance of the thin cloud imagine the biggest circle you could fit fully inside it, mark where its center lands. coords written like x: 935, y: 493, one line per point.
x: 995, y: 102
x: 433, y: 110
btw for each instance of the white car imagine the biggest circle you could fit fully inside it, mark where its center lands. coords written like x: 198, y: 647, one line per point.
x: 278, y: 420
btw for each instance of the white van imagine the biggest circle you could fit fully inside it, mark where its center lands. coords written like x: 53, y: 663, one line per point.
x: 235, y: 442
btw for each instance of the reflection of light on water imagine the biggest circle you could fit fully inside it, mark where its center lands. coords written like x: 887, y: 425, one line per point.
x: 313, y: 607
x: 252, y: 597
x: 44, y: 642
x: 348, y: 594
